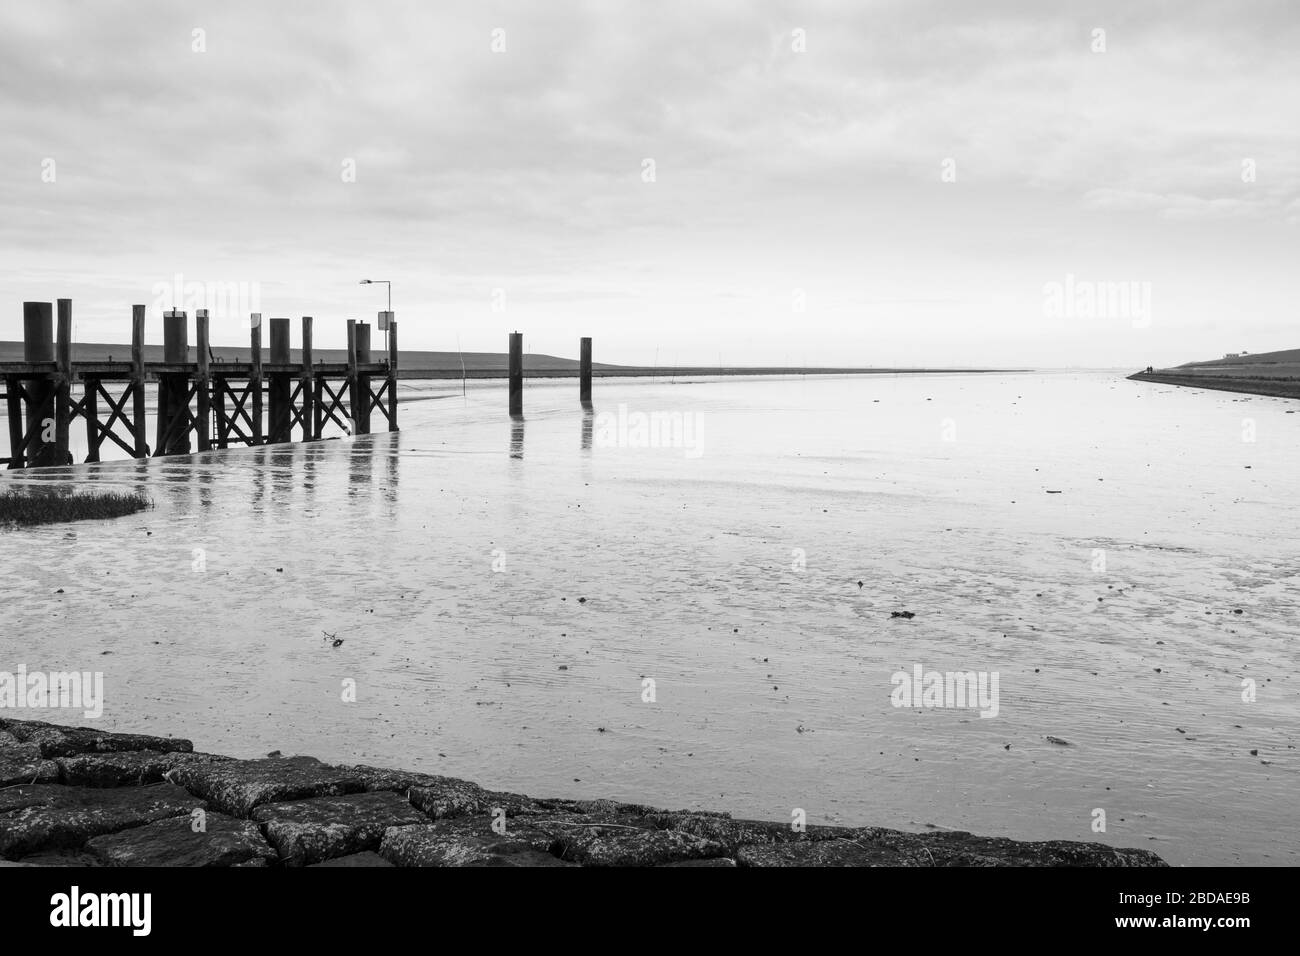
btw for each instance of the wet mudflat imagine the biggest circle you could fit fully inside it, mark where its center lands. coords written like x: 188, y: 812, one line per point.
x: 499, y: 593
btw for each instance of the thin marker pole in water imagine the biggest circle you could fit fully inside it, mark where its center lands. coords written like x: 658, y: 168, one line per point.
x: 463, y: 393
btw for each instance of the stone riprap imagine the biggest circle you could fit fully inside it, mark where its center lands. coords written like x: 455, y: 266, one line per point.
x: 76, y: 797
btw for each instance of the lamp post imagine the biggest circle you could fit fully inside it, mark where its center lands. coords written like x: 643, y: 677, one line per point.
x: 389, y: 284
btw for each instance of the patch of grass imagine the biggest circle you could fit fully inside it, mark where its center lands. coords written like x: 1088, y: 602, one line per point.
x: 52, y: 505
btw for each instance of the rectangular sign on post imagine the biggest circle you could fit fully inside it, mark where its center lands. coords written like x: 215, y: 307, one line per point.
x: 384, y: 319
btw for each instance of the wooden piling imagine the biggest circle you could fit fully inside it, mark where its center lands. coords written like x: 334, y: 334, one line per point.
x: 90, y: 412
x: 138, y: 421
x: 255, y: 375
x: 38, y: 346
x: 14, y: 410
x: 203, y: 390
x: 63, y: 382
x: 362, y: 418
x: 280, y: 387
x: 516, y: 373
x: 352, y: 375
x: 584, y: 370
x: 308, y: 388
x: 173, y: 422
x: 176, y: 339
x: 219, y: 405
x: 318, y: 407
x: 392, y: 373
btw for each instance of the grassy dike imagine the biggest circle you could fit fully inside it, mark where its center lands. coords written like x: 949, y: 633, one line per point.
x: 1275, y: 387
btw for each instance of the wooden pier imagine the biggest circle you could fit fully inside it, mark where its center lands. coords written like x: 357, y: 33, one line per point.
x: 200, y: 404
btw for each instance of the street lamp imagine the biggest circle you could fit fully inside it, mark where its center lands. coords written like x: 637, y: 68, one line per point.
x: 390, y: 304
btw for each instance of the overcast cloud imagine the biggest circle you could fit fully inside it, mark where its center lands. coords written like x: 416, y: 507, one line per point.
x: 783, y: 179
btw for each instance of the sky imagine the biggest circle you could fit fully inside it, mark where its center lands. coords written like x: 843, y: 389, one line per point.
x: 993, y: 184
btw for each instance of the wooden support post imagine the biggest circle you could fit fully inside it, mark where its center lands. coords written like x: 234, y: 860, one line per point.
x: 362, y: 417
x: 173, y: 430
x: 90, y: 412
x: 176, y: 337
x: 281, y: 386
x: 14, y: 410
x: 308, y: 396
x: 352, y: 375
x: 318, y: 406
x: 516, y: 373
x: 584, y: 370
x: 138, y: 421
x: 219, y: 400
x: 162, y: 415
x: 255, y: 376
x: 392, y: 373
x: 38, y: 346
x: 204, y: 381
x: 63, y: 383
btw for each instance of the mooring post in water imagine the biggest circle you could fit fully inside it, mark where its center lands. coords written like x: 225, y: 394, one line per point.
x: 202, y: 386
x: 38, y: 346
x: 392, y: 373
x: 584, y: 370
x: 138, y: 423
x: 363, y: 379
x: 308, y: 387
x: 352, y: 375
x: 63, y: 383
x: 516, y: 373
x: 255, y: 374
x: 281, y: 383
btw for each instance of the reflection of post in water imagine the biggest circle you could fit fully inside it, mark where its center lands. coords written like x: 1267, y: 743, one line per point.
x: 360, y: 465
x: 312, y: 452
x: 390, y: 493
x: 262, y: 479
x: 204, y: 479
x: 588, y: 423
x: 516, y: 436
x: 282, y: 459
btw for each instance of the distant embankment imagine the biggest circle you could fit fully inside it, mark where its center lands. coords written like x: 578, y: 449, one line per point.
x: 1268, y: 373
x: 456, y: 365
